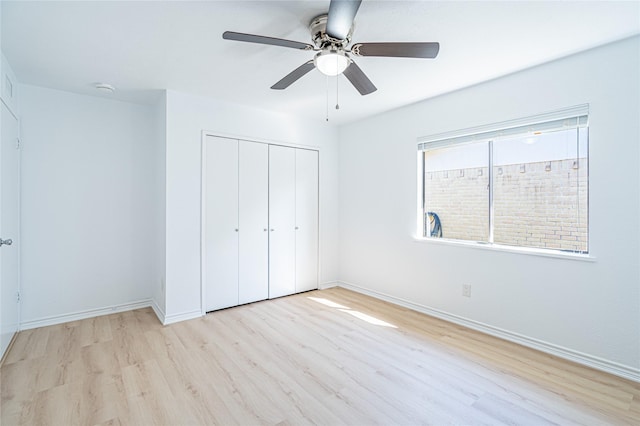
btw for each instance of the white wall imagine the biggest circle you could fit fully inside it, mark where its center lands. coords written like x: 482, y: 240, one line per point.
x: 587, y: 308
x: 88, y: 203
x: 187, y: 117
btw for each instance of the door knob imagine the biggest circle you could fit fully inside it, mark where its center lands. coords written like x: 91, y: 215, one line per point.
x: 6, y: 242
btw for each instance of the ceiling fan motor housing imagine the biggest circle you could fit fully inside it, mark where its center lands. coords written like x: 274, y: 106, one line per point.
x: 318, y: 29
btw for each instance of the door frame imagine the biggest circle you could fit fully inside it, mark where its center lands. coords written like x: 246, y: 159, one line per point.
x: 203, y: 175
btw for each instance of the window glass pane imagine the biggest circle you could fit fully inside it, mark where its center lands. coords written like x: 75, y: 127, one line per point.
x: 456, y: 192
x: 540, y: 190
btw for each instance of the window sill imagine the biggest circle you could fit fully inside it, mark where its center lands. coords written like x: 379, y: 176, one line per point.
x: 508, y: 249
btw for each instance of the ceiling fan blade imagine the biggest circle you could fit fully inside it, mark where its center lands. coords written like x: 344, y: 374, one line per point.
x: 397, y: 50
x: 341, y: 16
x: 251, y: 38
x: 293, y: 76
x: 360, y: 81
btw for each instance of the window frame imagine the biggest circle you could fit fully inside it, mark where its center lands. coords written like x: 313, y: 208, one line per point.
x: 573, y: 117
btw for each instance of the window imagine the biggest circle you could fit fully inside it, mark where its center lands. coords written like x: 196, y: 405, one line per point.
x: 522, y: 183
x: 460, y: 170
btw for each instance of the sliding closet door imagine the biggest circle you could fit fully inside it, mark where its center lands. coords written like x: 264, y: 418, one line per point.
x: 261, y: 221
x: 221, y: 223
x: 282, y: 214
x: 306, y: 220
x: 254, y: 222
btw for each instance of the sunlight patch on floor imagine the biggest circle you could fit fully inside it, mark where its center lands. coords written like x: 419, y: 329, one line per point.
x: 328, y: 302
x: 368, y: 318
x: 357, y: 314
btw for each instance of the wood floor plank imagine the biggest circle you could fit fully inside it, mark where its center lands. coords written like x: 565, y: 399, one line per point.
x: 100, y: 402
x: 29, y: 344
x: 95, y: 330
x: 322, y: 357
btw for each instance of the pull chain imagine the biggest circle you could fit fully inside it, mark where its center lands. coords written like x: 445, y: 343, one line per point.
x: 327, y: 103
x: 337, y: 103
x: 337, y: 78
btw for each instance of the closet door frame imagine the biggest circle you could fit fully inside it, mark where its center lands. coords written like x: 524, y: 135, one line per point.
x: 203, y: 189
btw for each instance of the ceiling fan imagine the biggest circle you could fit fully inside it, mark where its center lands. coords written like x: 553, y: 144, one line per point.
x: 331, y: 34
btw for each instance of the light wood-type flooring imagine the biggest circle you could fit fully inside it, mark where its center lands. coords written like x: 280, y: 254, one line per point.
x: 323, y: 357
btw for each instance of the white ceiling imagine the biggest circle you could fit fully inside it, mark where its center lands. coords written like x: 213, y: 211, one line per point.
x: 141, y: 47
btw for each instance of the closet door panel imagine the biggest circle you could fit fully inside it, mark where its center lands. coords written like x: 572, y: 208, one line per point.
x: 282, y: 211
x: 254, y: 222
x: 306, y: 220
x: 221, y: 223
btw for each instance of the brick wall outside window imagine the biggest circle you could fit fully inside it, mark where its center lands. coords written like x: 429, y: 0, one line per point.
x: 544, y: 206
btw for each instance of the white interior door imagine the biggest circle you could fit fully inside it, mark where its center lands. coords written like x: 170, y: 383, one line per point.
x: 221, y: 223
x: 306, y: 220
x: 282, y: 213
x: 9, y: 228
x: 254, y: 222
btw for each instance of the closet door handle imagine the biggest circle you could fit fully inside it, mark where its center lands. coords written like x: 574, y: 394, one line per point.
x: 272, y: 229
x: 236, y: 229
x: 265, y: 229
x: 297, y: 228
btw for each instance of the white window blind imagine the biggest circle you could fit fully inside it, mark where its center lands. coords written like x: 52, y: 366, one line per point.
x: 573, y: 117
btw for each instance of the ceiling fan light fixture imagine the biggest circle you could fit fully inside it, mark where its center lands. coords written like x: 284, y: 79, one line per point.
x: 331, y: 62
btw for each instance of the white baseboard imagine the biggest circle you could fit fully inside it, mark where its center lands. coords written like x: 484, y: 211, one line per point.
x: 328, y: 284
x: 79, y: 315
x: 158, y: 311
x: 601, y: 364
x: 90, y: 313
x: 184, y: 316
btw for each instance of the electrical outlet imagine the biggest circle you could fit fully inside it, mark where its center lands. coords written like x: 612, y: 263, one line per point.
x: 466, y: 290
